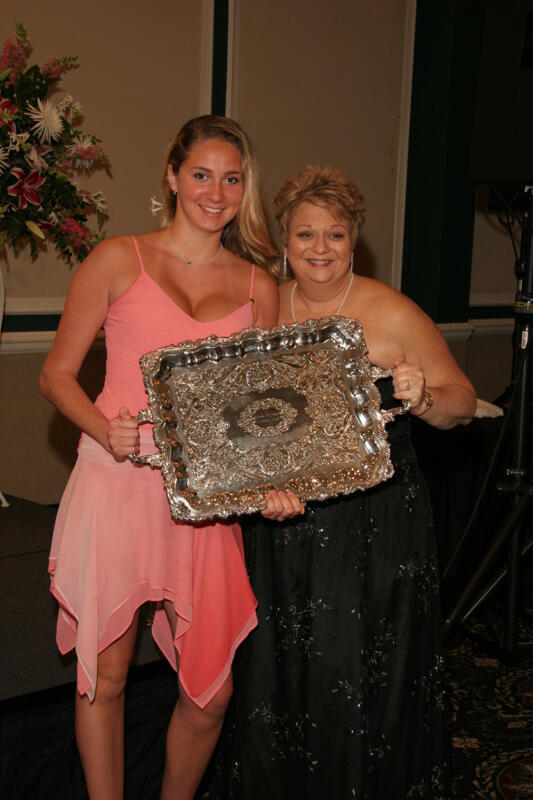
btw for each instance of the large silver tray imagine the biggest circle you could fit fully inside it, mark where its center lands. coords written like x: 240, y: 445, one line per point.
x: 292, y: 407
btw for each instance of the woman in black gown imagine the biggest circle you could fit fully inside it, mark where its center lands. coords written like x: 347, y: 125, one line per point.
x: 339, y: 692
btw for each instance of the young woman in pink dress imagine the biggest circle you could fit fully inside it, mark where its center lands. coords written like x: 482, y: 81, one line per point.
x: 115, y: 545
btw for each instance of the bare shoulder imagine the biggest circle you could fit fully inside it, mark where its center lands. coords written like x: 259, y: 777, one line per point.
x: 110, y: 268
x: 400, y: 328
x: 380, y: 301
x: 89, y: 297
x: 370, y: 289
x: 157, y: 241
x: 107, y: 258
x: 265, y: 280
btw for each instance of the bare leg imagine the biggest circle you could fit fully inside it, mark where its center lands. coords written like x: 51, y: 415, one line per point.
x: 100, y: 724
x: 192, y: 735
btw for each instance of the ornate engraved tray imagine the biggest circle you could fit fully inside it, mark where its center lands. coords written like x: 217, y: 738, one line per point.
x: 292, y: 407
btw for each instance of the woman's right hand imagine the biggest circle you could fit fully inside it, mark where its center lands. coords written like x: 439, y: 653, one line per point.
x: 123, y: 435
x: 280, y: 506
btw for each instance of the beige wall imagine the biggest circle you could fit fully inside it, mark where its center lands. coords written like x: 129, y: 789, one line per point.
x: 324, y: 82
x: 308, y: 86
x: 489, y: 359
x: 143, y: 71
x: 493, y: 279
x: 483, y: 349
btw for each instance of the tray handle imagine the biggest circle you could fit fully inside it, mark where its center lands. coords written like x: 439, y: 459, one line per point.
x: 390, y: 413
x: 154, y: 460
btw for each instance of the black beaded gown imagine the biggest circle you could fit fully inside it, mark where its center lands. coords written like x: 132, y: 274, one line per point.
x: 338, y: 692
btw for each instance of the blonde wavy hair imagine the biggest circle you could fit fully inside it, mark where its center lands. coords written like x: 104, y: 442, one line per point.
x: 247, y: 235
x: 323, y: 186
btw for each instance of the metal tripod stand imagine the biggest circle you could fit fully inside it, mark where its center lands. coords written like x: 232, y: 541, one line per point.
x: 515, y: 529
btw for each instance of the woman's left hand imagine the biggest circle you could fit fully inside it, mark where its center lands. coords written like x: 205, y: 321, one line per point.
x: 408, y: 381
x: 282, y: 505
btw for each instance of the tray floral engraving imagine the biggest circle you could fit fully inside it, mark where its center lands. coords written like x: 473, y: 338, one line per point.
x: 291, y: 407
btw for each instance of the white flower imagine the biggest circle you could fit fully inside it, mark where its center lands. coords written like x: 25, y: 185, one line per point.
x: 99, y: 202
x: 155, y: 206
x: 68, y: 107
x: 4, y: 159
x: 83, y: 152
x: 47, y: 120
x: 17, y: 141
x: 82, y: 141
x: 65, y: 103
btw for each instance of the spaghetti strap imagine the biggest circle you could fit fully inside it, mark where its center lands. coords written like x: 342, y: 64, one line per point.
x: 251, y: 297
x: 134, y: 240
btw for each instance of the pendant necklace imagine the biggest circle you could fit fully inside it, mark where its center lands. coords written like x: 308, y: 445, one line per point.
x: 187, y: 261
x: 338, y: 311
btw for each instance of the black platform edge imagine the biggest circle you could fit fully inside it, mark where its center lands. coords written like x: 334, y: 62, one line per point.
x: 140, y: 673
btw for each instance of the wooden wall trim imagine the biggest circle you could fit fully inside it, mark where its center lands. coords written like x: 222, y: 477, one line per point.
x: 24, y: 342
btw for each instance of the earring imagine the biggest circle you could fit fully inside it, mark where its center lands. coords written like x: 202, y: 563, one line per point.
x: 284, y: 266
x: 351, y: 263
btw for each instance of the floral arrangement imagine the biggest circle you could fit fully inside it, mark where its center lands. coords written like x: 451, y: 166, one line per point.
x: 42, y: 152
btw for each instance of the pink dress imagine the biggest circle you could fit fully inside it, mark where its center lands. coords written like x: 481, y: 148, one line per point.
x: 115, y: 544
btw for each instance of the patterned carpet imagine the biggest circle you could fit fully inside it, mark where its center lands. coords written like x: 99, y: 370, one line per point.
x: 491, y: 698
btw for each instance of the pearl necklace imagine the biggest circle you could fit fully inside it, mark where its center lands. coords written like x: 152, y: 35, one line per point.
x: 338, y: 311
x: 187, y: 261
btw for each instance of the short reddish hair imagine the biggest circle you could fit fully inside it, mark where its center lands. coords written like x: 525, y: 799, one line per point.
x: 322, y: 186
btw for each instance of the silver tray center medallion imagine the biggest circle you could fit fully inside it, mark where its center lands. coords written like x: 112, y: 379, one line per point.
x: 265, y: 416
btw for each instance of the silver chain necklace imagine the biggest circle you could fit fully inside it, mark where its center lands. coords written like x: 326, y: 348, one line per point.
x: 338, y: 311
x: 187, y: 261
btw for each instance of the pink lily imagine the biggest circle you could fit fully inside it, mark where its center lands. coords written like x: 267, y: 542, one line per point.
x: 25, y: 188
